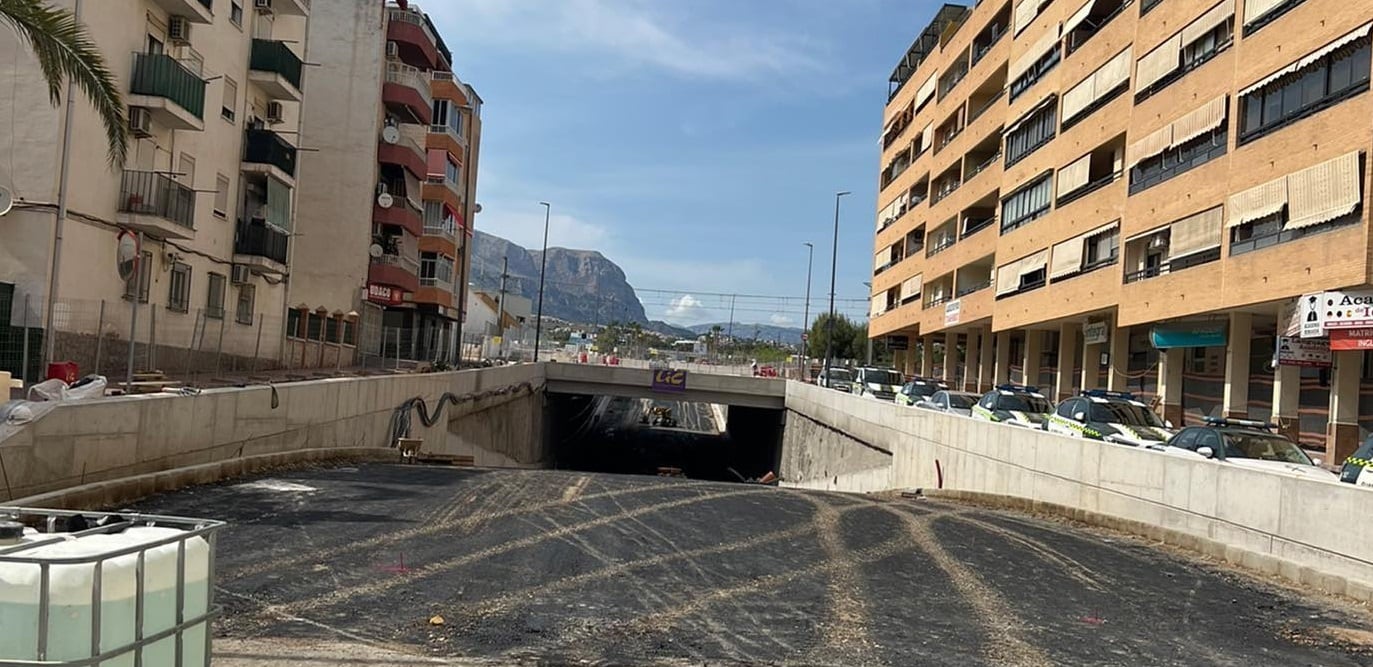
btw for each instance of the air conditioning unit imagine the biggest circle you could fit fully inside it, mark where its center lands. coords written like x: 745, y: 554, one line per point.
x: 392, y: 50
x: 1159, y: 242
x: 275, y: 112
x: 140, y: 122
x: 263, y: 6
x: 239, y: 274
x: 178, y: 30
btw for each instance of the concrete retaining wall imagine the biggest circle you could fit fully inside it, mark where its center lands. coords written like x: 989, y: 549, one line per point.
x: 86, y: 442
x: 1309, y: 531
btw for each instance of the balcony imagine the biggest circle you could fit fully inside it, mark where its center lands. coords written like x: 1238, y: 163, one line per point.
x: 276, y: 69
x: 415, y: 40
x: 195, y: 11
x: 405, y: 154
x: 158, y: 206
x: 261, y: 247
x: 396, y: 271
x: 448, y: 138
x: 406, y: 92
x: 163, y: 86
x: 400, y: 214
x: 290, y: 7
x: 266, y: 152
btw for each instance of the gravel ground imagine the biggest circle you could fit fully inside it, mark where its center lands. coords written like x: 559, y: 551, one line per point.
x: 397, y: 565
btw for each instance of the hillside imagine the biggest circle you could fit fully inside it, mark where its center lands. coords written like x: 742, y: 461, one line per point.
x: 583, y: 286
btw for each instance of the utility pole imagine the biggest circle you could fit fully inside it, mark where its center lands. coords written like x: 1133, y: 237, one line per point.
x: 538, y: 323
x: 834, y: 266
x: 868, y: 331
x: 805, y: 319
x: 730, y: 333
x: 500, y: 316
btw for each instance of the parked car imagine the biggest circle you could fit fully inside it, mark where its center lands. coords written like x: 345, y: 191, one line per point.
x: 1110, y: 416
x: 879, y: 383
x: 1358, y: 468
x: 839, y: 379
x: 918, y: 390
x: 1248, y: 444
x: 1014, y: 404
x: 953, y: 402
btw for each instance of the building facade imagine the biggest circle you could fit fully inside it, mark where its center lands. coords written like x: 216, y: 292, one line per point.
x: 1131, y: 194
x: 388, y: 192
x: 213, y: 89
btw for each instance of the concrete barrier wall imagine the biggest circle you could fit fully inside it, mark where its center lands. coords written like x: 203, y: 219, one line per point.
x: 83, y: 442
x: 1313, y: 532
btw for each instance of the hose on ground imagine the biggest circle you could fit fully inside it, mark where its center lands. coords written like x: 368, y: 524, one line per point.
x: 400, y: 417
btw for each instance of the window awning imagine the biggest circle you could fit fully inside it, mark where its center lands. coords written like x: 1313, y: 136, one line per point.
x: 927, y: 136
x: 1317, y: 55
x: 1039, y: 106
x: 1196, y: 233
x: 1038, y: 49
x: 1115, y: 72
x: 926, y: 90
x: 881, y: 259
x: 911, y: 286
x: 1067, y: 258
x: 1025, y: 12
x: 1074, y: 176
x: 1256, y: 202
x: 1078, y: 17
x: 1035, y: 262
x: 1323, y: 192
x: 1008, y: 278
x: 437, y: 163
x: 1256, y: 8
x: 1152, y: 144
x: 1079, y: 97
x: 879, y: 305
x: 1159, y: 63
x: 1199, y: 121
x: 1208, y: 21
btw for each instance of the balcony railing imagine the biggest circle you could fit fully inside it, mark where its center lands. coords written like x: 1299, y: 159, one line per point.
x: 985, y: 106
x: 151, y: 193
x: 937, y: 301
x: 982, y: 166
x: 450, y: 131
x: 160, y: 75
x: 259, y: 239
x: 411, y: 77
x: 416, y: 18
x: 974, y: 226
x: 272, y: 56
x: 940, y: 245
x: 267, y: 147
x: 943, y: 192
x: 408, y: 263
x: 448, y: 231
x: 980, y: 50
x: 974, y: 288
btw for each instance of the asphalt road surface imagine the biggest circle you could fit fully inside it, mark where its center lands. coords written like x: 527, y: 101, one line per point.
x: 345, y: 565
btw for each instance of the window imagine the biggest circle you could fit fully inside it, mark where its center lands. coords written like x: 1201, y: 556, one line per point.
x: 139, y: 285
x: 331, y: 330
x: 222, y: 185
x: 1032, y: 131
x: 214, y: 299
x: 1103, y: 248
x: 1068, y: 408
x: 1311, y: 201
x: 1027, y: 204
x: 155, y: 46
x: 1186, y: 440
x: 1207, y: 46
x: 453, y: 173
x: 236, y: 12
x: 292, y: 319
x: 1098, y: 14
x: 179, y: 288
x: 1324, y: 82
x: 243, y: 312
x: 1178, y: 160
x: 350, y: 333
x: 314, y: 326
x: 230, y: 105
x: 1146, y: 5
x: 1034, y: 73
x: 1196, y: 44
x: 1259, y: 13
x: 447, y: 114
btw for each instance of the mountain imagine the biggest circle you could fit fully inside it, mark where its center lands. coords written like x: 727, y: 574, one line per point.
x: 582, y: 286
x: 787, y: 335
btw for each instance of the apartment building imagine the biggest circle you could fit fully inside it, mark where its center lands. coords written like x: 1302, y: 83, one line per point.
x: 388, y: 190
x: 1132, y: 194
x: 213, y: 89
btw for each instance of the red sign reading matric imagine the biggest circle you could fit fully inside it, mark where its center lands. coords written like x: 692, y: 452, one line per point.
x: 1351, y: 339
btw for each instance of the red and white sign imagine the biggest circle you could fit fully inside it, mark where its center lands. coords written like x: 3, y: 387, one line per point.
x: 1346, y: 309
x: 383, y: 294
x: 1312, y: 352
x: 1343, y: 340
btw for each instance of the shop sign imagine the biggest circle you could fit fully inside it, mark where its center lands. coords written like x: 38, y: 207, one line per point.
x: 1312, y: 352
x: 671, y: 381
x: 1183, y: 334
x: 1095, y: 333
x: 1310, y: 316
x: 383, y: 294
x: 953, y: 310
x: 1345, y: 309
x: 1344, y: 340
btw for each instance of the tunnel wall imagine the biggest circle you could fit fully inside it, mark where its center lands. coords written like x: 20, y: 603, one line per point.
x: 79, y: 443
x: 1310, y: 531
x: 819, y: 456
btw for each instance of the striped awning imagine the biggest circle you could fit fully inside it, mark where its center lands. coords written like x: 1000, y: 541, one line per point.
x: 1196, y: 233
x: 1075, y: 176
x: 1257, y: 202
x: 911, y: 286
x: 1323, y: 192
x: 1307, y: 60
x: 1199, y: 121
x: 926, y: 90
x: 1038, y: 49
x: 1078, y: 17
x: 1208, y: 21
x: 1159, y: 63
x: 1067, y: 258
x: 1035, y: 262
x: 1025, y: 12
x: 1008, y: 278
x: 1152, y: 144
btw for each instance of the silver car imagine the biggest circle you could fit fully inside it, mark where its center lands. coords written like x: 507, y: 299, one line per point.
x: 839, y: 379
x: 954, y: 402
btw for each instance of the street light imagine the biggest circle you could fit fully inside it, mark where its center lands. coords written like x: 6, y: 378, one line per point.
x: 805, y: 319
x: 543, y: 268
x: 869, y: 332
x: 834, y: 266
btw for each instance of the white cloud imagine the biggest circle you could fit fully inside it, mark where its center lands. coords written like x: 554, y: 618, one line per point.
x: 629, y: 32
x: 781, y: 320
x: 687, y: 310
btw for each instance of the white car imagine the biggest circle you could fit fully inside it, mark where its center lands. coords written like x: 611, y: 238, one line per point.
x: 952, y: 402
x: 879, y: 383
x: 1109, y: 416
x: 1247, y: 444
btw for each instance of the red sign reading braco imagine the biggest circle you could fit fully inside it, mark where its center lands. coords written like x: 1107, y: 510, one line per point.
x: 1351, y: 339
x: 383, y: 294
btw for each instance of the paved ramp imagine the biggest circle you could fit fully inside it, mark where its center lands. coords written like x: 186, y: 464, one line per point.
x: 561, y: 568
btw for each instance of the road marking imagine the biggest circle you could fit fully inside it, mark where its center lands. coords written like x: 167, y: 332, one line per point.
x: 574, y: 491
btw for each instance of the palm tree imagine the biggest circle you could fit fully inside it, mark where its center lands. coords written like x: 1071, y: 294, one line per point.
x: 66, y: 52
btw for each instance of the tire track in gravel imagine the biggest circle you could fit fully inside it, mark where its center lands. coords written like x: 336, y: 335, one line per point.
x: 1070, y: 566
x: 846, y: 633
x: 1006, y: 644
x: 466, y: 524
x: 418, y: 573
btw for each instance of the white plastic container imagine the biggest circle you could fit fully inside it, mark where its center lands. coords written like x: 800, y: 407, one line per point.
x: 71, y: 591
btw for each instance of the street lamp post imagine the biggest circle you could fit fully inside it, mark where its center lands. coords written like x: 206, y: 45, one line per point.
x: 834, y: 266
x: 543, y: 268
x: 869, y: 332
x: 805, y: 319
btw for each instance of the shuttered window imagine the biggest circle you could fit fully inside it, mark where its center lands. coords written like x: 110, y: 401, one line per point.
x: 1319, y: 80
x: 1075, y: 176
x: 1324, y: 192
x: 910, y: 288
x: 1257, y: 202
x: 1035, y: 129
x: 1027, y: 203
x: 1196, y: 43
x: 1196, y: 233
x: 1097, y: 87
x: 1158, y: 63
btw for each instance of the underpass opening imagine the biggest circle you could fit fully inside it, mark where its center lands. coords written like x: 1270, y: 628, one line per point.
x: 662, y: 436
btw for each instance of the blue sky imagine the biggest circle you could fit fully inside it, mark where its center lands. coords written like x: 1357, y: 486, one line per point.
x: 697, y: 144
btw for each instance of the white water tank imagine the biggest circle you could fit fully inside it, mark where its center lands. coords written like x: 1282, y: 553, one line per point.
x: 71, y: 591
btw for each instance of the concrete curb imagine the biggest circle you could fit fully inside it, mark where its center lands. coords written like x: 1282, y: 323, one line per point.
x: 1248, y: 559
x: 117, y: 491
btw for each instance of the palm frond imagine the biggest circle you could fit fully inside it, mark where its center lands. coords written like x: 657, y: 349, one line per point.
x: 65, y: 51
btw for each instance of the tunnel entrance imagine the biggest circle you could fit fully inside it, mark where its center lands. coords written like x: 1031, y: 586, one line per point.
x: 633, y: 436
